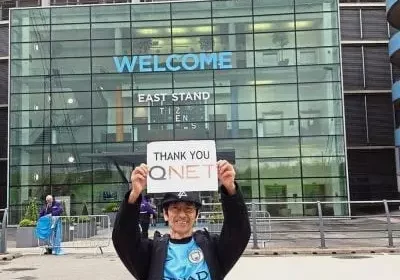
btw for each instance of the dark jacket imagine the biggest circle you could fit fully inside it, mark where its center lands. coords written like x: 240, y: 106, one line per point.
x: 145, y: 258
x: 55, y: 209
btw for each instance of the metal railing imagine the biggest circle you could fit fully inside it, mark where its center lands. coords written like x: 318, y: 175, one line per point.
x: 3, y: 231
x: 93, y: 231
x: 314, y: 224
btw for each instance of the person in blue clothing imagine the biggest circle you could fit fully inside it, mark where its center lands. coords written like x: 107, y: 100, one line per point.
x: 146, y: 210
x: 183, y: 253
x: 51, y: 208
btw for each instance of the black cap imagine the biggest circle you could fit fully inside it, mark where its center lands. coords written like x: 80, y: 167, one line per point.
x: 191, y: 197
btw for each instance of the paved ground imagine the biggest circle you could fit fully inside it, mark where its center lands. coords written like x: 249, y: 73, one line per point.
x: 108, y: 267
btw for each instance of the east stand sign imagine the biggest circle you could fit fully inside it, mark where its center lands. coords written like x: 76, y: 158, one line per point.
x: 176, y: 166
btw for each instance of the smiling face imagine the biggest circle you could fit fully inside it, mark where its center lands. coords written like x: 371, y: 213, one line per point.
x: 181, y: 217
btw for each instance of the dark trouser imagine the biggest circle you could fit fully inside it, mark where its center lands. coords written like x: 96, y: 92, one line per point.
x: 144, y: 224
x: 145, y: 229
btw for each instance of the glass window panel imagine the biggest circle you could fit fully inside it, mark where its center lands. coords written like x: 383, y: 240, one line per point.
x: 303, y: 6
x: 273, y: 7
x: 33, y: 67
x: 318, y: 188
x: 249, y: 188
x: 152, y: 46
x: 156, y: 132
x: 69, y: 49
x: 191, y: 27
x: 29, y: 175
x: 279, y: 40
x: 246, y: 169
x: 30, y: 17
x: 311, y: 21
x: 71, y: 173
x: 237, y: 42
x: 279, y: 167
x: 278, y: 128
x: 104, y: 174
x: 160, y: 80
x: 30, y: 50
x: 236, y: 112
x: 150, y: 12
x: 192, y: 113
x: 72, y: 117
x: 323, y: 73
x: 70, y: 100
x: 270, y: 58
x: 28, y: 154
x: 111, y: 47
x: 237, y: 94
x: 272, y: 93
x: 322, y: 146
x: 116, y: 30
x: 276, y: 75
x: 61, y: 83
x: 318, y: 126
x: 111, y: 98
x: 81, y: 193
x: 70, y: 154
x: 29, y: 84
x: 29, y: 101
x: 30, y: 119
x: 323, y: 167
x: 113, y: 133
x: 110, y: 116
x: 273, y: 23
x: 317, y: 38
x: 279, y: 147
x: 113, y: 147
x: 16, y: 197
x: 192, y: 44
x: 33, y: 33
x: 70, y: 66
x: 192, y: 79
x: 108, y: 13
x: 232, y: 25
x: 234, y: 77
x: 72, y: 134
x: 320, y: 91
x: 107, y: 192
x: 151, y: 29
x: 228, y: 8
x: 102, y: 82
x: 191, y: 10
x: 318, y: 109
x: 279, y: 190
x: 30, y: 136
x: 194, y: 130
x: 318, y: 56
x: 277, y: 110
x: 67, y: 32
x: 243, y: 148
x: 70, y: 15
x: 235, y: 129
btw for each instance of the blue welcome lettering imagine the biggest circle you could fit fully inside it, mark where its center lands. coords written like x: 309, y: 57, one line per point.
x: 174, y: 62
x: 120, y: 65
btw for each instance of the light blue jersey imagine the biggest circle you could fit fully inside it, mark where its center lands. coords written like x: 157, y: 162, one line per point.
x: 185, y: 262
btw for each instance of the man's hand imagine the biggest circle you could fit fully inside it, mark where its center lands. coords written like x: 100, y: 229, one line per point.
x: 139, y: 182
x: 226, y: 175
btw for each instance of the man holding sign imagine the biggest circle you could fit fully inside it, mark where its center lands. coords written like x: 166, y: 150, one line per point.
x: 182, y: 254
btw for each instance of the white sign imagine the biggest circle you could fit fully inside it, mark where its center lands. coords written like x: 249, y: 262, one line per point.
x: 176, y: 166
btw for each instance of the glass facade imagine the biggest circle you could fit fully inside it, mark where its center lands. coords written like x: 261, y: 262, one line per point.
x: 262, y: 78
